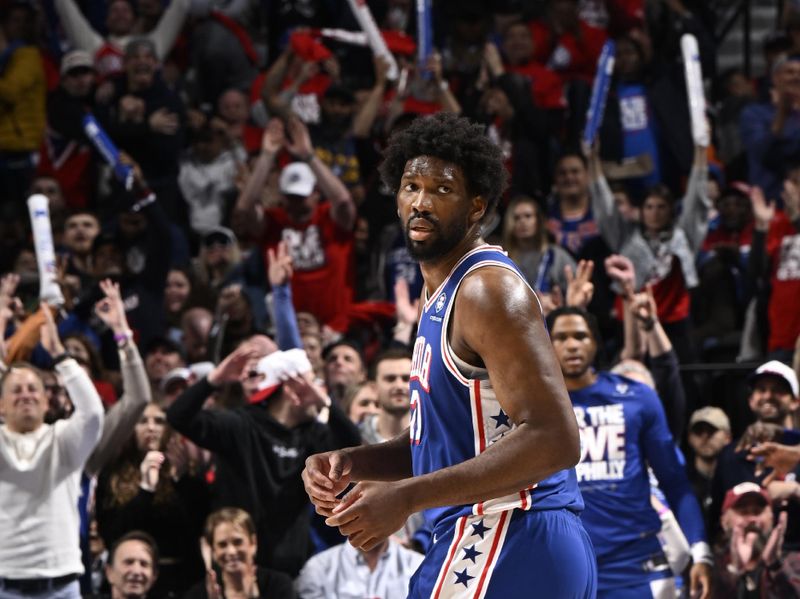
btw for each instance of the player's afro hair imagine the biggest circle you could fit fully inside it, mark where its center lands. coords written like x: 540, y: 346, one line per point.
x: 454, y: 139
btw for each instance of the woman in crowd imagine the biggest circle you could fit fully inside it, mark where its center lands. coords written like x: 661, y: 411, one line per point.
x: 229, y: 550
x: 526, y: 241
x: 147, y: 488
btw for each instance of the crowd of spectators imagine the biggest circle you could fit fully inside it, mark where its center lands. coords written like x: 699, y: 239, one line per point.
x: 249, y: 300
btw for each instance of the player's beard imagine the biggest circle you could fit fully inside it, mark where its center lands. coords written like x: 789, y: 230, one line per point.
x: 441, y: 240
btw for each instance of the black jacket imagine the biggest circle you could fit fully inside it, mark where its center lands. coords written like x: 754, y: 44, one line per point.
x: 259, y: 462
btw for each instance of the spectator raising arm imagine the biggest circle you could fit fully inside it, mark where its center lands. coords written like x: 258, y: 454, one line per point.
x: 343, y: 209
x: 248, y: 212
x: 279, y: 271
x: 122, y: 417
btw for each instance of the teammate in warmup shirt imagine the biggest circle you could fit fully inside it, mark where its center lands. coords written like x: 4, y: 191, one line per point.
x: 493, y: 439
x: 623, y: 429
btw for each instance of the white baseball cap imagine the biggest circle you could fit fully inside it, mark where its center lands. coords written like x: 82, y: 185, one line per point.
x: 779, y: 369
x: 278, y: 367
x: 297, y: 179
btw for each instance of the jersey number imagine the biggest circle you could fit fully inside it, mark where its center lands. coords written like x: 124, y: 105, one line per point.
x: 415, y: 428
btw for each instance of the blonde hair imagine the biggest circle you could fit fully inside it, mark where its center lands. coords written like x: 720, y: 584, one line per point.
x: 230, y: 515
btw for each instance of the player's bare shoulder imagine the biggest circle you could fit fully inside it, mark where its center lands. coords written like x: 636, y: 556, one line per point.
x: 495, y: 291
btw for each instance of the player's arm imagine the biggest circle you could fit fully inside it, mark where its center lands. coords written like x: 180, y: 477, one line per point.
x: 497, y: 321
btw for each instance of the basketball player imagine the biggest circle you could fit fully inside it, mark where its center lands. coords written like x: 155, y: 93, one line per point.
x: 493, y: 439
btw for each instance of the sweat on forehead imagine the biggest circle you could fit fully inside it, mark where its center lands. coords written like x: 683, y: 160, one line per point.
x: 431, y: 166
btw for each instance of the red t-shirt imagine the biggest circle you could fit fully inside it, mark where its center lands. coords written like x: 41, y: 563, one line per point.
x: 671, y: 295
x: 322, y: 257
x: 783, y: 248
x: 570, y: 55
x: 547, y: 90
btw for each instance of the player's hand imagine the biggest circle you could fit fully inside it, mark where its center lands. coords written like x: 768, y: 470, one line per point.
x: 370, y: 513
x: 324, y: 477
x: 700, y: 581
x: 782, y: 458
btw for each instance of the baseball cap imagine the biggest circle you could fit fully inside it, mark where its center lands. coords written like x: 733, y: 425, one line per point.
x: 176, y: 374
x: 307, y: 48
x: 713, y: 416
x: 297, y: 179
x: 737, y: 493
x: 779, y: 369
x: 221, y: 235
x: 77, y: 59
x: 278, y: 367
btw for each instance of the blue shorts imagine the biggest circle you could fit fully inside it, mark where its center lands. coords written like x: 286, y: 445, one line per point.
x: 663, y: 588
x: 506, y: 555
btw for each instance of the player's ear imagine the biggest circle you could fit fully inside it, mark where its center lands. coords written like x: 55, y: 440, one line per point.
x: 479, y: 207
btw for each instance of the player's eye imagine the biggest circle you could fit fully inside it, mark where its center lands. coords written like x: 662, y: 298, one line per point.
x: 444, y: 189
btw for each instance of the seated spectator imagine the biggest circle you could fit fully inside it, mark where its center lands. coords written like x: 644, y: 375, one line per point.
x: 120, y: 22
x: 42, y: 465
x: 230, y: 538
x: 749, y: 557
x: 233, y: 109
x: 147, y: 488
x: 770, y: 129
x: 261, y: 448
x: 526, y: 239
x: 132, y: 567
x: 384, y: 571
x: 22, y: 93
x: 709, y: 432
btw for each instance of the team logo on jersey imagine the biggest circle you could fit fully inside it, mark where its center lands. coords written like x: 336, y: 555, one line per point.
x: 440, y: 302
x: 622, y: 388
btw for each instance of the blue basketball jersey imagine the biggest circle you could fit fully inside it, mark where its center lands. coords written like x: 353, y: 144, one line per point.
x: 454, y: 413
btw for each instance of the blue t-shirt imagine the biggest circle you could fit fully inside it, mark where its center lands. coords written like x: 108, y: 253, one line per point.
x: 623, y: 429
x: 638, y: 128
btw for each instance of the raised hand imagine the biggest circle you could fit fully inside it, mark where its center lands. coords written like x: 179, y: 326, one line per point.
x: 763, y: 211
x: 302, y: 390
x: 110, y: 309
x: 580, y: 288
x: 231, y: 367
x: 164, y: 122
x: 406, y: 311
x: 150, y: 470
x: 280, y: 269
x: 49, y: 333
x: 772, y: 552
x: 274, y: 137
x: 644, y: 308
x: 620, y: 269
x: 8, y: 287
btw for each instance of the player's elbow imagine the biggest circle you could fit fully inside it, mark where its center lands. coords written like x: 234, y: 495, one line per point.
x: 567, y: 440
